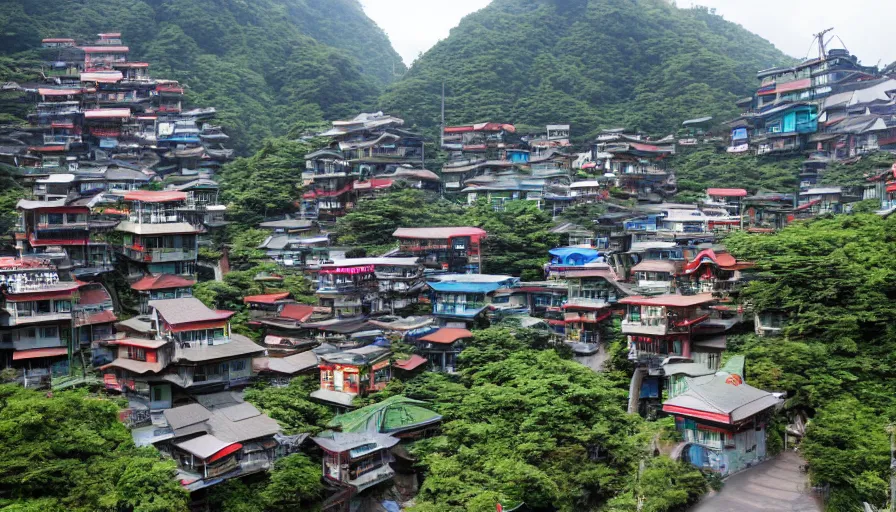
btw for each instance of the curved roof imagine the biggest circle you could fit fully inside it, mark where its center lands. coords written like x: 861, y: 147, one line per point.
x: 447, y: 335
x: 726, y: 192
x: 161, y: 282
x: 394, y: 414
x: 438, y: 233
x: 723, y: 260
x: 580, y: 255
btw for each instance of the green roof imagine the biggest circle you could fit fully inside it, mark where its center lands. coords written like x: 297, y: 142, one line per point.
x: 394, y: 414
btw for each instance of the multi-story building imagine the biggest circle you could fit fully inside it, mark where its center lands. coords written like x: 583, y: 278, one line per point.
x: 157, y: 235
x: 361, y: 286
x: 459, y: 299
x: 455, y: 249
x: 354, y: 372
x: 36, y: 319
x: 365, y: 150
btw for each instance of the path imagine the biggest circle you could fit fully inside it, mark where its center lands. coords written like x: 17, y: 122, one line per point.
x: 596, y: 360
x: 775, y: 485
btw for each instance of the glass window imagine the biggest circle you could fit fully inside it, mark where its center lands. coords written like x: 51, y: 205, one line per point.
x: 63, y: 306
x: 50, y: 332
x: 42, y: 306
x: 23, y: 309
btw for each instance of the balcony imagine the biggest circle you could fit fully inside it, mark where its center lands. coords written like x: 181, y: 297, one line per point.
x: 649, y: 327
x: 590, y: 302
x: 159, y: 255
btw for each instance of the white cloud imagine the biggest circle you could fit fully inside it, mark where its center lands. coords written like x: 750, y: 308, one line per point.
x: 865, y: 26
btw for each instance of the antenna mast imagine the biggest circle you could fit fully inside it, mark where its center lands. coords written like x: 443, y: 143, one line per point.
x: 821, y: 46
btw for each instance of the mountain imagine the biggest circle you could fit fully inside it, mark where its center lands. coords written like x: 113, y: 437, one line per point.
x: 264, y: 64
x: 643, y: 64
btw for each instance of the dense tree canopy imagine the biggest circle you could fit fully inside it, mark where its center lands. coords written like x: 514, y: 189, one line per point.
x: 644, y: 64
x: 69, y: 452
x: 700, y: 169
x: 527, y: 425
x: 834, y: 279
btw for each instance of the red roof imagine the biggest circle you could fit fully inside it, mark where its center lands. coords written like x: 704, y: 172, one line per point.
x: 105, y: 49
x: 45, y: 242
x: 297, y: 312
x: 270, y: 298
x: 11, y: 262
x: 225, y: 452
x: 93, y: 296
x: 110, y: 35
x: 891, y: 187
x: 48, y: 149
x: 140, y: 342
x: 644, y: 147
x: 57, y: 92
x: 674, y: 301
x: 409, y: 364
x: 161, y: 282
x: 39, y: 352
x: 57, y: 40
x: 723, y: 260
x: 103, y: 317
x: 155, y: 196
x: 198, y: 326
x: 726, y: 192
x: 108, y: 113
x: 373, y: 184
x: 47, y: 295
x: 796, y: 85
x: 808, y: 205
x: 437, y: 233
x: 447, y: 335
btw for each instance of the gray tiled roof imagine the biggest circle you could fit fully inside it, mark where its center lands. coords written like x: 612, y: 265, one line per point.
x: 179, y: 417
x: 239, y: 346
x: 713, y: 394
x: 184, y: 310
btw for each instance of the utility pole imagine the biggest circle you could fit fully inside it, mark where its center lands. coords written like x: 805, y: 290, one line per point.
x: 820, y: 36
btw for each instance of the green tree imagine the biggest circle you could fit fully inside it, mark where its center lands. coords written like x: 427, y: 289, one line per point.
x: 295, y: 484
x: 68, y: 451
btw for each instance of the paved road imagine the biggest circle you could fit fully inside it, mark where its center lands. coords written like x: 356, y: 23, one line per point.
x: 775, y: 485
x: 594, y: 361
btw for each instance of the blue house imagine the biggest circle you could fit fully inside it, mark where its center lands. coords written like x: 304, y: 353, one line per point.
x: 458, y: 299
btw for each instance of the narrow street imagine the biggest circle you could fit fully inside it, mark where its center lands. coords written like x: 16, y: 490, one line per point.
x: 776, y: 485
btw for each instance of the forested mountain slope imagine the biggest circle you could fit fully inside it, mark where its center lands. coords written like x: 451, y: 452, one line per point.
x: 264, y: 64
x: 641, y: 63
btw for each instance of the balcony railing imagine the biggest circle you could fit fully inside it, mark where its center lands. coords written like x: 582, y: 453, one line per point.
x: 655, y: 328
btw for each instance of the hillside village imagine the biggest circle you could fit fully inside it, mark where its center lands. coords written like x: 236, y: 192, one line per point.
x: 122, y: 198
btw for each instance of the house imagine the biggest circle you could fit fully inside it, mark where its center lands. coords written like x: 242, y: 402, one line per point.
x: 767, y: 212
x: 36, y: 319
x: 278, y: 371
x: 728, y: 199
x: 455, y: 249
x: 722, y: 419
x: 570, y: 258
x: 217, y: 438
x: 713, y: 270
x: 161, y: 287
x: 441, y: 347
x: 591, y: 296
x: 350, y: 373
x: 57, y: 229
x: 192, y: 347
x: 293, y: 250
x: 156, y: 235
x: 458, y: 299
x: 659, y: 328
x: 359, y: 286
x: 821, y: 200
x: 360, y: 460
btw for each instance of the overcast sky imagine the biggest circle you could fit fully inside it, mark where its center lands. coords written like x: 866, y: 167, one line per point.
x: 865, y: 26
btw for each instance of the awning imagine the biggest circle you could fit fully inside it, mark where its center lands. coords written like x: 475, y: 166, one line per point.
x: 39, y: 352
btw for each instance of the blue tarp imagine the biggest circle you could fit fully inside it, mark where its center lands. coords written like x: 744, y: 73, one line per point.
x: 574, y: 255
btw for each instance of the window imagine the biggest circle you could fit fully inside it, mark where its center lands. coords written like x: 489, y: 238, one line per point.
x: 42, y: 307
x: 137, y: 353
x: 50, y: 332
x: 54, y: 218
x: 63, y: 306
x: 156, y: 394
x: 30, y: 332
x: 23, y: 309
x: 237, y: 366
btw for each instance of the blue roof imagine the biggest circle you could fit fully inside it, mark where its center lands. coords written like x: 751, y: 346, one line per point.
x: 465, y: 287
x: 574, y: 255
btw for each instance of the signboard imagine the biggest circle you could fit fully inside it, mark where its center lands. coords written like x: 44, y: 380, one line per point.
x: 363, y: 269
